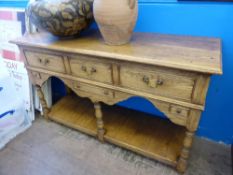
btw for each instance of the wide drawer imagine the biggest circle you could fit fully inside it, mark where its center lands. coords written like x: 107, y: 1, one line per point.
x: 45, y: 61
x: 158, y: 81
x: 91, y: 68
x: 93, y: 90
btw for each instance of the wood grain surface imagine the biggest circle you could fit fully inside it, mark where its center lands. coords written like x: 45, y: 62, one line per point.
x: 172, y: 72
x: 200, y: 54
x: 153, y: 137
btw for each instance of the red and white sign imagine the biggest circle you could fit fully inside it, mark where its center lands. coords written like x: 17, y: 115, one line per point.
x: 14, y: 26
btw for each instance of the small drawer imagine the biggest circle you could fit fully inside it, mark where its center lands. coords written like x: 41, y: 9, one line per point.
x: 93, y: 90
x: 158, y: 81
x: 91, y: 68
x: 45, y: 61
x: 37, y: 77
x: 178, y: 110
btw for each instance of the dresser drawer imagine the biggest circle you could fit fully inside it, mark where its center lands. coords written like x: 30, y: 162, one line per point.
x: 45, y: 61
x: 93, y: 90
x: 167, y: 83
x: 180, y: 111
x: 90, y: 68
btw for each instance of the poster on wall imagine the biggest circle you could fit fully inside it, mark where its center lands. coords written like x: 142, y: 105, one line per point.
x: 14, y: 26
x: 16, y: 108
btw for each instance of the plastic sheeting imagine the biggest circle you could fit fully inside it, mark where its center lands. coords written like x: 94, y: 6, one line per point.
x: 14, y: 117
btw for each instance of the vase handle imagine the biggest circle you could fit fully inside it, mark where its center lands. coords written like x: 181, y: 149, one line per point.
x: 131, y: 3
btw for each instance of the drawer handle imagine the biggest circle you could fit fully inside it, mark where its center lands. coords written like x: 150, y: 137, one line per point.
x: 93, y: 70
x: 46, y: 62
x: 159, y: 82
x: 40, y: 60
x: 146, y: 79
x: 154, y: 83
x: 178, y: 111
x: 84, y: 68
x: 77, y: 86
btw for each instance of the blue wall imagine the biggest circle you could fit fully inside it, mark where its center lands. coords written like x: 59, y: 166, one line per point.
x: 14, y: 3
x: 198, y: 19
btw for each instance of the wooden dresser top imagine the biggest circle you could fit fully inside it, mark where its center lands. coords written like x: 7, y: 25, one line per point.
x: 199, y: 54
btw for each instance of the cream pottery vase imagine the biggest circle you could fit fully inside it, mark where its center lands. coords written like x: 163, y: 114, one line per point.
x: 116, y: 19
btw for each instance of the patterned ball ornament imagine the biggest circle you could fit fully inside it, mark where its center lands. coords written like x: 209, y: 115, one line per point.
x: 61, y: 17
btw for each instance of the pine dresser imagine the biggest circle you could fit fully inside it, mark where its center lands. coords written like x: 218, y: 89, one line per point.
x: 172, y: 72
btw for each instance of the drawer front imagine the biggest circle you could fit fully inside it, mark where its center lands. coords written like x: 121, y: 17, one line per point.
x: 93, y: 90
x: 45, y: 61
x: 167, y: 83
x: 89, y: 68
x: 180, y: 111
x: 38, y: 78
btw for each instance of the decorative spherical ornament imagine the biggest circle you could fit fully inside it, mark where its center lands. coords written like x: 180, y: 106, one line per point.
x: 61, y: 17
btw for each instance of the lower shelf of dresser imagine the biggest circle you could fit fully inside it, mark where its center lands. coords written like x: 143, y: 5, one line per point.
x: 147, y: 135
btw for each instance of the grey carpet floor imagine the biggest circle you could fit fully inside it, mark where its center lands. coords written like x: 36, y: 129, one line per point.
x: 48, y: 148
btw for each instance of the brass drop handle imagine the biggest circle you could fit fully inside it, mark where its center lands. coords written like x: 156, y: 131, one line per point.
x: 46, y: 61
x: 84, y: 68
x: 146, y: 79
x: 159, y: 82
x: 93, y: 70
x: 40, y: 60
x: 178, y: 111
x: 76, y: 85
x: 131, y: 4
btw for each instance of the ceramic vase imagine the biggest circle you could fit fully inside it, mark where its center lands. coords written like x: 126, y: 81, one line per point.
x: 116, y: 19
x: 61, y: 17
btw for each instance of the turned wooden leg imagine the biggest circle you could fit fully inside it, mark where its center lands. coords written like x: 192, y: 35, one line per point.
x: 182, y: 162
x: 42, y: 101
x: 100, y: 123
